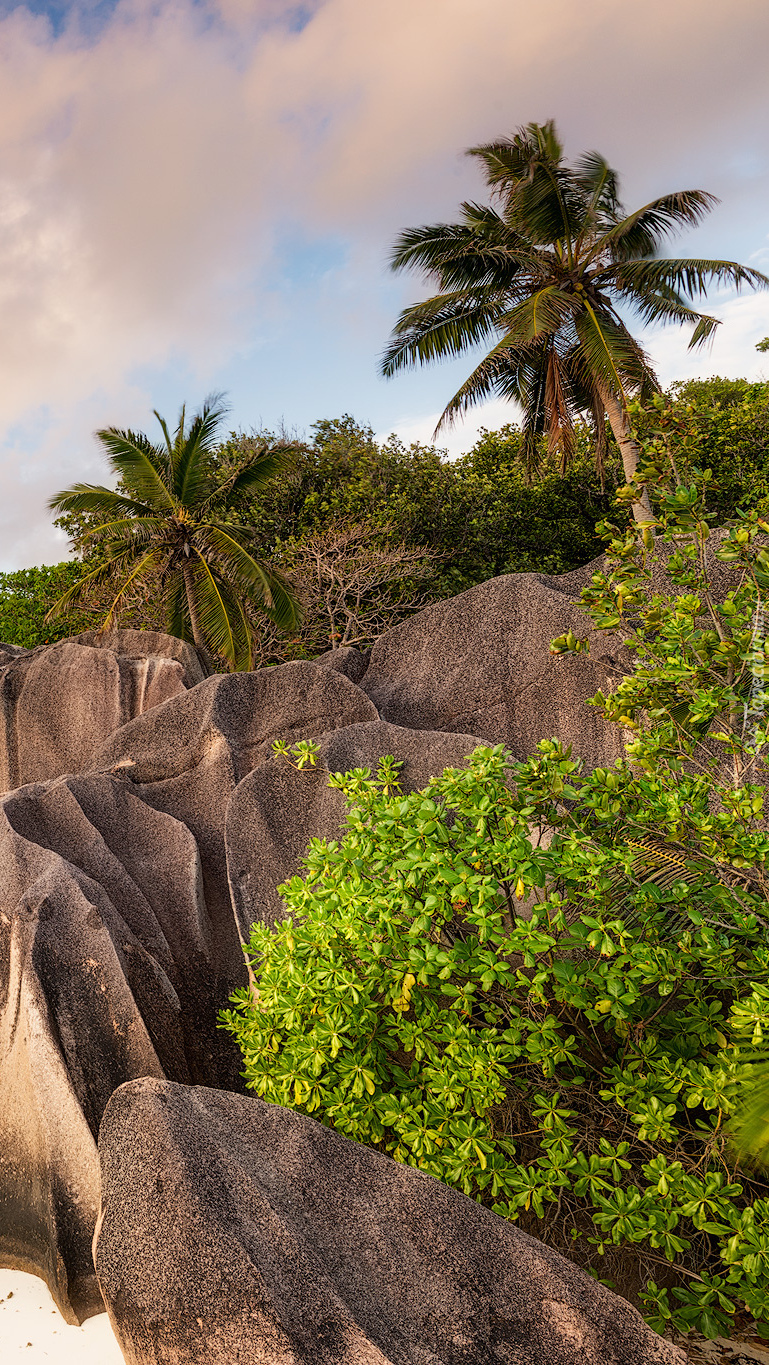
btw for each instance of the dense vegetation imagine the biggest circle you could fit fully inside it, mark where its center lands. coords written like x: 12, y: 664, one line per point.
x: 474, y: 518
x: 564, y: 1026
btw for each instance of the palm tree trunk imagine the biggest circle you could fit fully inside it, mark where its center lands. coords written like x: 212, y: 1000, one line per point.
x: 629, y: 450
x: 198, y: 637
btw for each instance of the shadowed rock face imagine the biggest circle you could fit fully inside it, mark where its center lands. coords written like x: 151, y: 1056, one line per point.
x: 104, y: 975
x: 118, y: 945
x: 234, y: 1231
x: 276, y: 810
x: 60, y: 702
x: 188, y: 756
x: 480, y: 663
x: 138, y: 644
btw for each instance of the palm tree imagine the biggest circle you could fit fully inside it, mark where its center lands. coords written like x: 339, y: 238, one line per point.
x: 172, y: 522
x: 543, y: 274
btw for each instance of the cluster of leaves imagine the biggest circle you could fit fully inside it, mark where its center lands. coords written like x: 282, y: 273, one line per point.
x: 721, y: 425
x: 548, y: 988
x: 477, y: 516
x: 27, y: 595
x: 533, y: 1021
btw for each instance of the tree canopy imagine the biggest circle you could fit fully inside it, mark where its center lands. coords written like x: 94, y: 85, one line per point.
x: 545, y: 273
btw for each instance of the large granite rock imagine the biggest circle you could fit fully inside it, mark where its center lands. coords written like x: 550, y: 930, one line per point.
x: 233, y: 1232
x: 347, y: 659
x: 277, y: 809
x: 60, y: 702
x: 480, y: 663
x: 188, y: 756
x: 105, y: 974
x: 139, y: 644
x: 118, y: 945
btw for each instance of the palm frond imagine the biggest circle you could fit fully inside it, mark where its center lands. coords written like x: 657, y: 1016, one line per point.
x: 136, y: 530
x: 169, y: 440
x: 94, y: 497
x: 662, y: 306
x: 242, y: 629
x: 558, y: 409
x: 103, y: 573
x: 543, y: 312
x: 501, y: 372
x: 703, y: 332
x: 749, y: 1128
x: 141, y: 466
x: 471, y: 254
x: 609, y: 353
x: 540, y: 195
x: 440, y: 328
x: 634, y: 279
x: 262, y: 585
x: 262, y: 466
x: 601, y: 185
x: 191, y: 451
x: 653, y: 863
x: 149, y: 561
x: 509, y: 160
x: 177, y: 616
x: 643, y: 232
x: 210, y: 607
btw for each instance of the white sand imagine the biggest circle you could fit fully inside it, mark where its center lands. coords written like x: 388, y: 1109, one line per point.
x: 32, y: 1328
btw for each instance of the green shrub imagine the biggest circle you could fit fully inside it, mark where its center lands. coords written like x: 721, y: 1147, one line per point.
x: 579, y: 1062
x: 548, y: 988
x: 26, y: 596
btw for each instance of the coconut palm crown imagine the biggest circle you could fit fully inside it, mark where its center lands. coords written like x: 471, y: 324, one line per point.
x: 171, y: 522
x: 545, y: 273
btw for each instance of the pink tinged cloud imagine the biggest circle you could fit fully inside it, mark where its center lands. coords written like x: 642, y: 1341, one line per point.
x: 148, y: 175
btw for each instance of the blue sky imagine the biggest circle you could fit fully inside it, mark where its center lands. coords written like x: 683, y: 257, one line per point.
x: 202, y: 194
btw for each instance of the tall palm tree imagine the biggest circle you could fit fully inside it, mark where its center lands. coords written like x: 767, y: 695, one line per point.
x: 172, y: 521
x: 542, y: 273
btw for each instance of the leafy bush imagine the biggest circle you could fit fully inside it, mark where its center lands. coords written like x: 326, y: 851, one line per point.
x: 544, y: 1027
x: 26, y: 596
x: 546, y: 987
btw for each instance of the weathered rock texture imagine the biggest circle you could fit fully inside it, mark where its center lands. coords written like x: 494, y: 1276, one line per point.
x: 234, y: 1231
x: 105, y: 974
x: 187, y: 758
x: 60, y: 702
x: 480, y: 663
x: 138, y: 644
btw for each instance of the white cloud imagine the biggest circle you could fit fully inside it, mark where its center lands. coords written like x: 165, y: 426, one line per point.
x: 733, y: 354
x: 151, y: 173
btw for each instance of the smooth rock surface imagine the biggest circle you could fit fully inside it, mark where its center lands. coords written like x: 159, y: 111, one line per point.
x: 277, y: 809
x: 105, y: 975
x: 187, y: 757
x: 347, y: 659
x: 480, y: 663
x: 233, y: 1232
x: 58, y: 703
x: 138, y: 644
